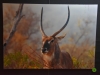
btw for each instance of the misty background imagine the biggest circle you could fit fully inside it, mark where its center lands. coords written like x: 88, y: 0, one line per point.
x: 82, y: 17
x: 55, y: 16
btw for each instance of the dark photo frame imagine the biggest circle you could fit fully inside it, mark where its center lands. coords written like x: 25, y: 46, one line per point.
x: 58, y: 72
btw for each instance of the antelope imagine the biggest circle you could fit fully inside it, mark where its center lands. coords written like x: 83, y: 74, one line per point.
x: 53, y: 57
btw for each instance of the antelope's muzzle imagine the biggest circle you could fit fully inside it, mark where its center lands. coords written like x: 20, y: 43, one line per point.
x: 44, y: 50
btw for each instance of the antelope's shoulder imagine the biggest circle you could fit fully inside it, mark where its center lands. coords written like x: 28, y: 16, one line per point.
x: 65, y: 53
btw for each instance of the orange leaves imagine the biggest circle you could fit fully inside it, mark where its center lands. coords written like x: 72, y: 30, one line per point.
x: 23, y: 26
x: 21, y: 42
x: 19, y: 38
x: 24, y: 29
x: 17, y: 42
x: 12, y: 13
x: 8, y: 13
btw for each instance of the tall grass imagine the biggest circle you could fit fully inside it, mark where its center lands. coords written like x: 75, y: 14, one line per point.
x: 83, y: 57
x: 18, y: 60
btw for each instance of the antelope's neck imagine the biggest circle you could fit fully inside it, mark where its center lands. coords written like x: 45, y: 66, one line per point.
x: 57, y: 52
x: 53, y: 60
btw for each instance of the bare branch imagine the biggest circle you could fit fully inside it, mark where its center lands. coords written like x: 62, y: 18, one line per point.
x: 16, y: 21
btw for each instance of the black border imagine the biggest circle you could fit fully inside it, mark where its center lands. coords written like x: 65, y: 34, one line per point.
x: 52, y: 72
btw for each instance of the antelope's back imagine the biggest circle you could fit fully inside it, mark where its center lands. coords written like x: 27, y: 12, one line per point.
x: 67, y: 60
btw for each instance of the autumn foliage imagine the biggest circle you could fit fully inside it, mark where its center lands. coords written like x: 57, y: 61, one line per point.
x: 19, y: 48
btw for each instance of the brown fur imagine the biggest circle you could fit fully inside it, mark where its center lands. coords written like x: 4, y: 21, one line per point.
x: 55, y: 59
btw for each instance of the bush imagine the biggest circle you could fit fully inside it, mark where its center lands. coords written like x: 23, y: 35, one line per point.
x: 18, y: 60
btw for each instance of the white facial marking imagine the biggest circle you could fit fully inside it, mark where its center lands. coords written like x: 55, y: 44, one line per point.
x: 46, y: 50
x: 49, y: 58
x: 49, y: 42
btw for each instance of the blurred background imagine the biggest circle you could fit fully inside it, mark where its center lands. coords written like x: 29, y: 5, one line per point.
x: 23, y: 50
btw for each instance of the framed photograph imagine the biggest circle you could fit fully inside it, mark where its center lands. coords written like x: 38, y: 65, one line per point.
x: 49, y: 36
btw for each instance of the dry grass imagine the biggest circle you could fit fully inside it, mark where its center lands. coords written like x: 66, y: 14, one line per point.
x: 83, y: 56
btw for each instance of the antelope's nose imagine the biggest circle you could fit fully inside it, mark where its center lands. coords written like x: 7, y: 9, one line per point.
x: 44, y: 50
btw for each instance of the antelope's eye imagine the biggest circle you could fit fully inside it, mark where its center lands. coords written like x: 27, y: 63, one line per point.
x: 52, y: 40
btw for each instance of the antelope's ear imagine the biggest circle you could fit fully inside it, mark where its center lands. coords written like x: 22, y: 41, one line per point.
x: 61, y: 37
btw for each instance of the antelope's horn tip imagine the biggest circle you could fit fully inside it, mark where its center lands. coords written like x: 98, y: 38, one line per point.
x: 42, y: 8
x: 68, y: 7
